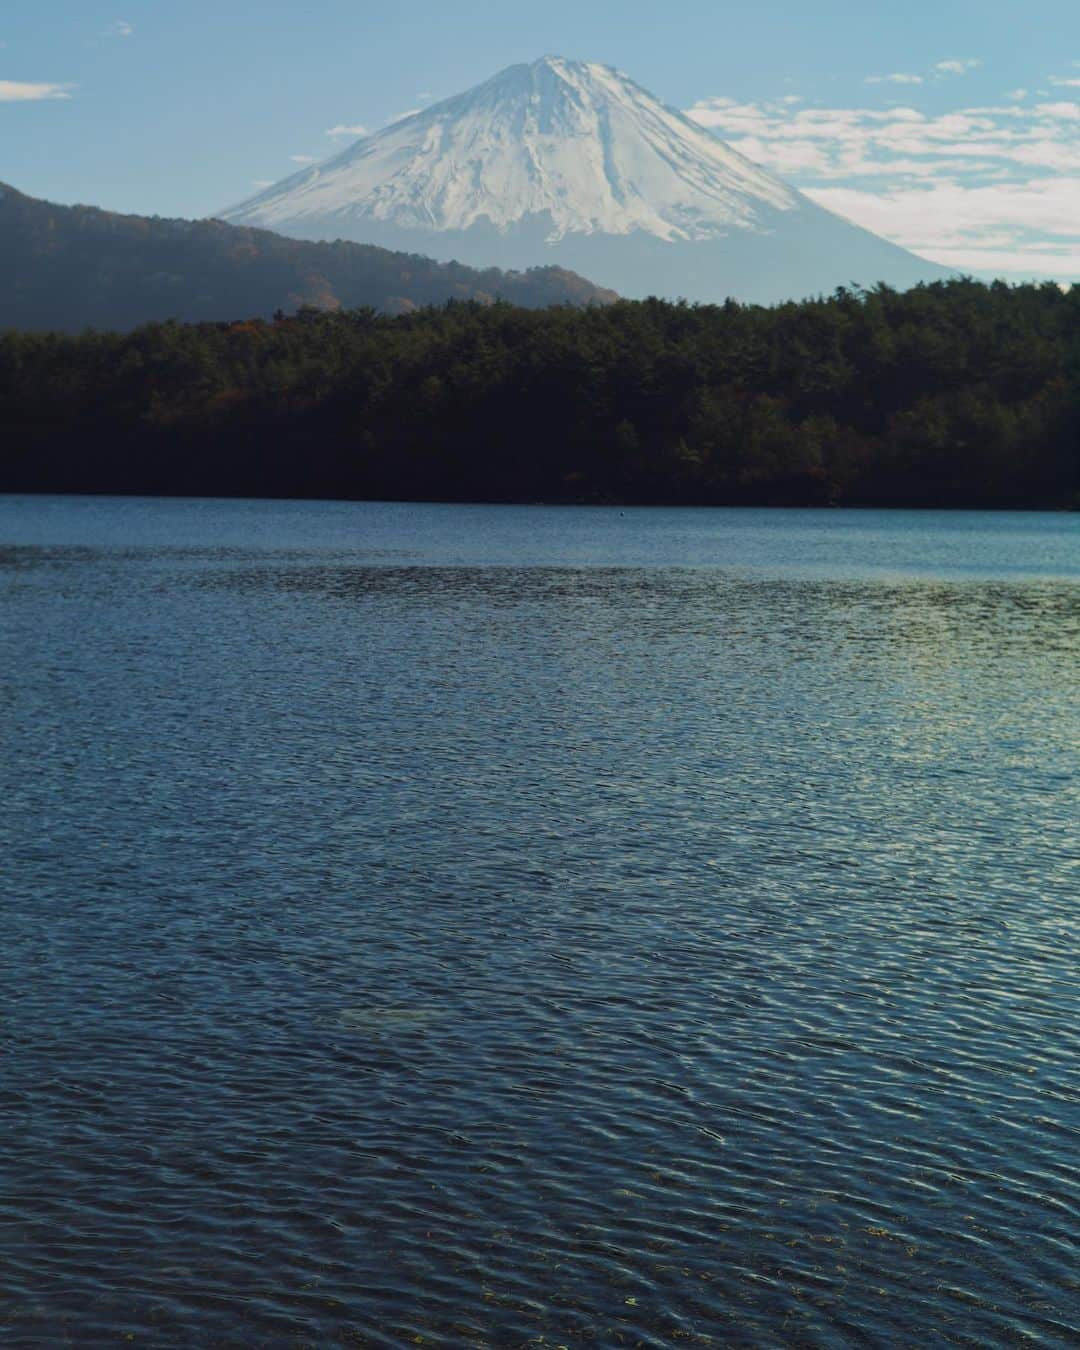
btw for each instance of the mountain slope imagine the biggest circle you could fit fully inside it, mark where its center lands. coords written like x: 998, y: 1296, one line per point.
x: 73, y: 267
x: 573, y: 163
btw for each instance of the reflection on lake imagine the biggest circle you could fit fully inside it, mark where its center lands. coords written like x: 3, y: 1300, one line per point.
x: 458, y: 926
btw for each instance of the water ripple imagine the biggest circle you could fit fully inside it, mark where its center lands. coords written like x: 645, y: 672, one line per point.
x: 460, y: 955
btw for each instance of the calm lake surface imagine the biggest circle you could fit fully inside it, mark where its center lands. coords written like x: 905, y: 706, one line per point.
x: 451, y: 926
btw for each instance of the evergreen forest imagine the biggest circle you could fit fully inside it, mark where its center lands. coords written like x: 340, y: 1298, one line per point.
x: 955, y: 393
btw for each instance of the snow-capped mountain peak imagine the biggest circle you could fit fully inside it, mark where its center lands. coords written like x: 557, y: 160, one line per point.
x: 571, y: 163
x: 577, y: 141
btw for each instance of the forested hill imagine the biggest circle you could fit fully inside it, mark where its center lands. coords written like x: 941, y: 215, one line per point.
x: 952, y: 394
x: 72, y: 267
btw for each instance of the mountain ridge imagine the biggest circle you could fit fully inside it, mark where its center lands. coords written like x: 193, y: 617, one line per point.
x: 71, y: 267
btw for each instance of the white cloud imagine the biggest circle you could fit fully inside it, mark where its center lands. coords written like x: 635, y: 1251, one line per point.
x: 987, y: 188
x: 1069, y: 112
x: 1018, y: 229
x: 957, y: 67
x: 348, y: 129
x: 1017, y: 94
x: 302, y: 159
x: 401, y: 116
x: 843, y: 143
x: 120, y: 28
x: 17, y: 91
x: 262, y: 182
x: 924, y: 215
x: 897, y: 78
x: 1065, y: 81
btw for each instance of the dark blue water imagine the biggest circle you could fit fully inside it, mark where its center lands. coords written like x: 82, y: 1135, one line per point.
x: 495, y: 926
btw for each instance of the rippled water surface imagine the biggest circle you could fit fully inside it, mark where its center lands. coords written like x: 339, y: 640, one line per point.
x: 508, y: 926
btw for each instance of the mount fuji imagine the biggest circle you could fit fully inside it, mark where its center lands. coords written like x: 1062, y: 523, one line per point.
x: 573, y: 164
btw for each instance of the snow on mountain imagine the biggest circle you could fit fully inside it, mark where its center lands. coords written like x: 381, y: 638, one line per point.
x: 577, y: 140
x: 573, y: 163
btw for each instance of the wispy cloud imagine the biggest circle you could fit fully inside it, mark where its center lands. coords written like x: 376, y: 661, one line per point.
x: 1020, y: 229
x: 988, y: 188
x: 940, y: 69
x: 852, y: 142
x: 348, y: 129
x: 957, y: 67
x: 401, y: 116
x: 18, y: 91
x: 302, y: 159
x: 1065, y: 81
x: 262, y: 182
x: 897, y: 77
x: 120, y: 28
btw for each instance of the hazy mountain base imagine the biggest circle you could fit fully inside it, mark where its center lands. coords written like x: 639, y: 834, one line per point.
x: 73, y: 267
x: 953, y: 394
x: 791, y: 255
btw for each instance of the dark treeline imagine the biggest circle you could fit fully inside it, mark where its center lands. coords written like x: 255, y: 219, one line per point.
x: 952, y: 394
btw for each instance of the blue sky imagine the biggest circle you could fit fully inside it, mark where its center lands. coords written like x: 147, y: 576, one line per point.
x: 951, y: 126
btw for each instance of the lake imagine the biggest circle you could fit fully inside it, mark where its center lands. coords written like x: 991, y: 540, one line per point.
x: 450, y: 926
